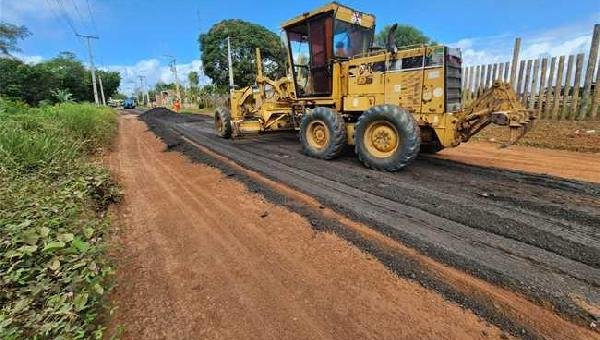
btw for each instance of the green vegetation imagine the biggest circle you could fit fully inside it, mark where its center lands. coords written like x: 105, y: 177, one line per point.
x: 245, y: 37
x: 53, y: 226
x: 406, y: 35
x: 50, y: 81
x: 9, y: 34
x: 37, y: 84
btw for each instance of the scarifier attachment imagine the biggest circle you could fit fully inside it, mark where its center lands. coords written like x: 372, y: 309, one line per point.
x: 498, y: 105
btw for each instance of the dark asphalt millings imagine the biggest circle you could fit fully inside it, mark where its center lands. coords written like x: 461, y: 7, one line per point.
x: 535, y: 234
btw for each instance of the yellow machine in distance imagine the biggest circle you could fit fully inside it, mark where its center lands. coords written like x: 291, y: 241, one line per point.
x: 390, y: 104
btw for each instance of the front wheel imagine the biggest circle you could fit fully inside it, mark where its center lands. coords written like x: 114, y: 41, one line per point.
x: 323, y: 133
x: 387, y: 138
x: 223, y: 122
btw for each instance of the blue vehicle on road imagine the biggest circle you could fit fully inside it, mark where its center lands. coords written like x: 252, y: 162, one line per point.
x: 129, y: 103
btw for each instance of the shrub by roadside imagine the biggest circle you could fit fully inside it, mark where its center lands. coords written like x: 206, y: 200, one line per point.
x: 53, y: 229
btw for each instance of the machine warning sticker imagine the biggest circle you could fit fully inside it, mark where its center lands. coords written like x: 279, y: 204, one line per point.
x: 356, y: 18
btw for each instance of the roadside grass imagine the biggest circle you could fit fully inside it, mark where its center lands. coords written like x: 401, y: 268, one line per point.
x: 54, y: 269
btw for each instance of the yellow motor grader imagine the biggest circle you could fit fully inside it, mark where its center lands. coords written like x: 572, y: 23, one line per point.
x: 389, y: 103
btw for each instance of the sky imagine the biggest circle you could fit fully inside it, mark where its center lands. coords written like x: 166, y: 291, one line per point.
x: 136, y: 36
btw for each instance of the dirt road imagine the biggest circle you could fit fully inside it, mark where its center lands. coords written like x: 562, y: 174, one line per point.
x: 201, y: 257
x: 566, y: 164
x: 534, y: 234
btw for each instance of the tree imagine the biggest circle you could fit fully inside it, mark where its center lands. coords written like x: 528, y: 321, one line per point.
x: 405, y: 35
x: 9, y: 34
x: 245, y: 37
x: 193, y: 79
x: 28, y: 83
x: 110, y: 82
x: 69, y: 74
x: 14, y: 76
x: 40, y: 82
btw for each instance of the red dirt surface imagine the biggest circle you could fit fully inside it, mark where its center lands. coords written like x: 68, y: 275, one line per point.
x: 560, y: 163
x: 581, y: 136
x: 510, y: 304
x: 201, y: 257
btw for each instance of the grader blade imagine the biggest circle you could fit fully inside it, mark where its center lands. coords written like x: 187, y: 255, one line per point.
x: 498, y: 105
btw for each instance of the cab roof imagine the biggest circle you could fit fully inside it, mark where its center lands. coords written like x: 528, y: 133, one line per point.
x: 342, y: 12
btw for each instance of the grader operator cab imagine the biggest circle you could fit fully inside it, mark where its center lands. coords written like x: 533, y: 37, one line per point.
x: 389, y: 103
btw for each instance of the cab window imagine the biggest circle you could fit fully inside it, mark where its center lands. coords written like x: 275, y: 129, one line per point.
x: 350, y: 39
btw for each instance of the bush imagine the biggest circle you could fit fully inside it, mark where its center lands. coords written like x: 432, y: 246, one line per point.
x: 53, y: 267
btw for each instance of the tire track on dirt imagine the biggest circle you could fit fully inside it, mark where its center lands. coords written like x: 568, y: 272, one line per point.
x: 334, y: 192
x: 285, y: 280
x: 574, y: 241
x: 190, y: 198
x: 557, y: 280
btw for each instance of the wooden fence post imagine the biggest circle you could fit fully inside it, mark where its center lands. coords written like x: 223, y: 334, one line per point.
x: 520, y: 80
x: 506, y: 70
x: 471, y: 77
x: 481, y: 80
x: 501, y: 72
x: 488, y: 76
x: 543, y: 79
x: 591, y: 66
x: 465, y: 83
x: 527, y: 82
x: 476, y: 82
x: 547, y: 109
x: 534, y: 84
x: 596, y: 99
x: 515, y: 60
x: 494, y: 72
x: 576, y: 86
x: 567, y: 88
x: 558, y: 87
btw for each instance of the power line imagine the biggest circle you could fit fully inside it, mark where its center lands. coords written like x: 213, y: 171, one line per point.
x: 77, y: 10
x: 92, y: 16
x: 60, y: 16
x: 66, y: 16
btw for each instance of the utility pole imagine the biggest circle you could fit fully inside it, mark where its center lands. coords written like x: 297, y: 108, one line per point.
x: 229, y: 64
x: 92, y: 67
x: 144, y: 90
x: 147, y: 91
x: 173, y: 64
x: 101, y: 89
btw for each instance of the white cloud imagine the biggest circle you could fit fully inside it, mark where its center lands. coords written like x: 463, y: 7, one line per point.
x: 155, y: 71
x: 559, y: 41
x: 29, y: 59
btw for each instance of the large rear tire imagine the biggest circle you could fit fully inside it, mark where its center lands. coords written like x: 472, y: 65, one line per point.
x: 223, y: 122
x: 323, y: 133
x: 387, y: 138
